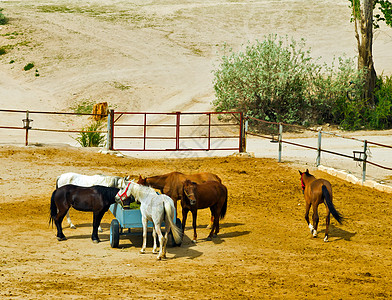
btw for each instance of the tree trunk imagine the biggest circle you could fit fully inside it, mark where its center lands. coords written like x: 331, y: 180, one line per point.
x: 363, y: 16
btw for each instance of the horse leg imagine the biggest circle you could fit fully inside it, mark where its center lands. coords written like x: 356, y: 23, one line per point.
x: 307, y: 208
x: 215, y: 226
x: 69, y: 221
x: 144, y: 222
x: 327, y: 221
x: 162, y: 242
x: 97, y: 217
x: 184, y: 217
x: 212, y: 220
x: 154, y: 236
x: 58, y: 220
x: 315, y: 220
x: 194, y: 217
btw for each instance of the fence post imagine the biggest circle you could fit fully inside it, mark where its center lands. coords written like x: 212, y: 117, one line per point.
x: 364, y: 161
x: 242, y: 146
x: 209, y: 131
x: 110, y: 133
x: 178, y: 119
x: 318, y: 159
x: 280, y: 138
x: 26, y: 125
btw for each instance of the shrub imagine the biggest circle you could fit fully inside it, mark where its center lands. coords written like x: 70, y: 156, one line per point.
x: 3, y: 19
x: 381, y: 116
x: 29, y: 66
x: 90, y: 137
x: 267, y: 81
x: 83, y: 107
x: 277, y: 80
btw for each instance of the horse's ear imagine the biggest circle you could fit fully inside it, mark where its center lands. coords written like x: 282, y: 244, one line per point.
x: 307, y: 172
x: 300, y: 172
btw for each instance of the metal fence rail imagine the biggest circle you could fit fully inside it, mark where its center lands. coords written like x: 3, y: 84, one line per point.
x: 359, y: 156
x: 28, y: 121
x: 141, y: 128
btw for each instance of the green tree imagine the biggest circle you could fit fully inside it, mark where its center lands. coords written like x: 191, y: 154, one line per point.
x: 364, y: 22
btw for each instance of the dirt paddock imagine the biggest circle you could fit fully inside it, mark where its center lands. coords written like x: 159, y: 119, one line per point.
x: 264, y: 249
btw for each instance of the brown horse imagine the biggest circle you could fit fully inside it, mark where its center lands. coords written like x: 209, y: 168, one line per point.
x: 210, y: 194
x: 317, y: 191
x: 171, y: 184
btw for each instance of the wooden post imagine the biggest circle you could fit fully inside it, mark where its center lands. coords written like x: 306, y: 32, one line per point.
x: 110, y: 130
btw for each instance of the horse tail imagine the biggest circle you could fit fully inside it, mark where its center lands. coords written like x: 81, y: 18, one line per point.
x: 224, y: 207
x: 329, y: 204
x: 169, y: 210
x: 53, y: 209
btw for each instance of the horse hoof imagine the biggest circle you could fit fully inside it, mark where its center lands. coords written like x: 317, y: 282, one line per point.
x: 326, y: 239
x: 142, y: 251
x: 209, y: 238
x: 72, y: 226
x: 96, y: 241
x: 100, y: 229
x: 194, y: 241
x: 61, y: 239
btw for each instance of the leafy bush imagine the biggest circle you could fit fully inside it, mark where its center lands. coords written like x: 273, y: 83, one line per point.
x: 277, y: 80
x: 381, y: 116
x: 29, y: 66
x: 90, y: 137
x: 267, y: 81
x: 3, y: 19
x: 83, y: 107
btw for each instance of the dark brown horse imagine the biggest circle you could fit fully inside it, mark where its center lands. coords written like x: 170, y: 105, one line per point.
x: 96, y: 199
x: 210, y: 194
x: 171, y: 184
x: 318, y: 191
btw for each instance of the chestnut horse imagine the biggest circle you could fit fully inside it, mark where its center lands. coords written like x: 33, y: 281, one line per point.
x: 210, y: 194
x: 171, y: 184
x: 317, y: 191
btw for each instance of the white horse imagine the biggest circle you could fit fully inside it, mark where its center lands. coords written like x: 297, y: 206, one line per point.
x: 87, y: 181
x: 155, y: 208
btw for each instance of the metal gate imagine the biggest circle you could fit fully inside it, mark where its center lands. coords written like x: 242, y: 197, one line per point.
x: 175, y: 131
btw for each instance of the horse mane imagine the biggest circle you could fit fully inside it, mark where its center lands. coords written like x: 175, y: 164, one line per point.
x: 107, y: 192
x: 142, y: 188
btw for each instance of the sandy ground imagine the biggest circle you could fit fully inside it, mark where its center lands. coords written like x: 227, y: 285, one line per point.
x: 158, y: 56
x: 152, y: 55
x: 264, y: 249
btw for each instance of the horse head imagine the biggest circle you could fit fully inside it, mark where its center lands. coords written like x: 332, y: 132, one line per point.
x: 125, y: 192
x: 305, y: 176
x: 142, y: 181
x: 189, y: 189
